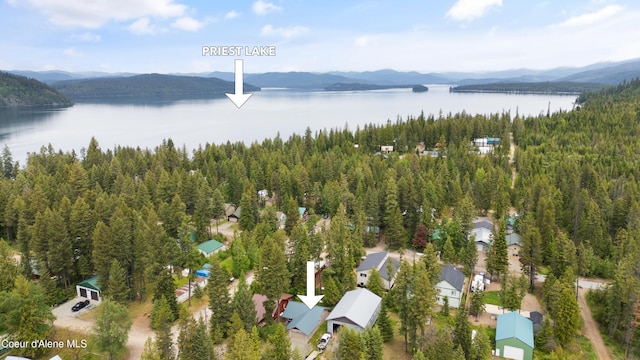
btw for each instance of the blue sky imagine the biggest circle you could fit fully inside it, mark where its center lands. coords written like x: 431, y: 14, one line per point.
x: 427, y: 36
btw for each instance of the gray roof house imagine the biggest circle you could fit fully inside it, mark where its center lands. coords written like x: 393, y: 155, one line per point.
x: 483, y: 238
x: 483, y: 224
x: 514, y: 242
x: 358, y: 309
x: 451, y: 286
x: 381, y: 262
x: 301, y: 318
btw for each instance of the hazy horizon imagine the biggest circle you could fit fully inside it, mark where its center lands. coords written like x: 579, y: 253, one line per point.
x: 166, y: 36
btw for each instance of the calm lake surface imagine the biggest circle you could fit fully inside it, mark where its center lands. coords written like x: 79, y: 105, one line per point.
x: 267, y: 113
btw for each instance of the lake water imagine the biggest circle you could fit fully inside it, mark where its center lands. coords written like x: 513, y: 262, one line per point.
x: 267, y: 113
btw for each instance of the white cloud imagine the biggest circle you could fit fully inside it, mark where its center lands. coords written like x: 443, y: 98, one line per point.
x: 262, y: 7
x: 232, y: 14
x: 87, y: 37
x: 366, y: 40
x: 142, y: 26
x: 72, y: 51
x: 468, y: 10
x: 94, y: 14
x: 594, y: 17
x: 287, y: 33
x: 187, y: 23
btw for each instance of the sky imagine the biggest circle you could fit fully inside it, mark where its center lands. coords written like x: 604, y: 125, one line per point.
x: 166, y: 36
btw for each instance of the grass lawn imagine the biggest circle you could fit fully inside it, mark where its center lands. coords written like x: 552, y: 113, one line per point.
x: 68, y: 351
x: 492, y: 297
x: 394, y: 349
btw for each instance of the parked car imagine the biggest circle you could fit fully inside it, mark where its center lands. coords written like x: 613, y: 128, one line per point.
x: 324, y: 340
x: 80, y: 305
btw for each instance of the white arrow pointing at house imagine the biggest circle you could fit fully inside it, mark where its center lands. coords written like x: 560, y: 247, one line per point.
x: 239, y: 98
x: 311, y: 299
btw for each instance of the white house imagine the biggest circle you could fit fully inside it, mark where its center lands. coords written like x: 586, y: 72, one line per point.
x: 383, y: 264
x: 451, y: 285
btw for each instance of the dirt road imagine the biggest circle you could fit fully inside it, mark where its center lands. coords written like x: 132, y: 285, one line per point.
x: 590, y: 328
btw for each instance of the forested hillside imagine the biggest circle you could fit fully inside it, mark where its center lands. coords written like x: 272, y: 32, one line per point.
x: 147, y: 86
x: 547, y: 87
x: 576, y: 191
x: 18, y: 91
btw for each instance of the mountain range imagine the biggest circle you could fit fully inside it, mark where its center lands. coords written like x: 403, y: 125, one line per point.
x: 92, y: 86
x: 604, y: 73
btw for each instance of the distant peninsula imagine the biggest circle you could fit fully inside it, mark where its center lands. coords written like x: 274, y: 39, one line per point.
x: 21, y: 91
x: 147, y: 86
x: 365, y: 87
x: 549, y: 87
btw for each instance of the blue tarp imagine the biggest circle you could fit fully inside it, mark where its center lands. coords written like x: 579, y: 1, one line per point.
x: 203, y: 273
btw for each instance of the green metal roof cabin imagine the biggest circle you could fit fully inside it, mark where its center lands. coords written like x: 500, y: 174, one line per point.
x: 209, y: 247
x: 89, y: 289
x: 514, y: 337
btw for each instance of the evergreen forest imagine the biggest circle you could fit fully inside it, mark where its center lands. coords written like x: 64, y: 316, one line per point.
x: 131, y: 215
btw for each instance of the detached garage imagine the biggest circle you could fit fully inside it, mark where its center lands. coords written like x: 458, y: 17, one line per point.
x: 357, y: 309
x: 89, y: 289
x: 514, y: 337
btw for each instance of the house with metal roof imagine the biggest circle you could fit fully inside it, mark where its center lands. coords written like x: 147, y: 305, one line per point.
x: 302, y: 319
x: 514, y: 243
x: 385, y: 265
x: 89, y: 289
x: 482, y: 237
x: 358, y: 309
x: 304, y: 213
x: 451, y: 286
x: 210, y: 247
x: 514, y: 337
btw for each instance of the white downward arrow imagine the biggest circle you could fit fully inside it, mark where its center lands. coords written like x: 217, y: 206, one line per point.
x: 239, y: 98
x: 311, y: 299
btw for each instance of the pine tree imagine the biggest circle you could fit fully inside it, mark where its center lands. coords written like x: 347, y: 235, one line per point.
x: 112, y: 328
x: 477, y: 303
x: 301, y: 254
x: 243, y: 305
x: 469, y: 256
x: 332, y: 293
x: 25, y: 314
x: 102, y: 253
x: 217, y: 206
x: 384, y: 323
x: 531, y: 254
x: 349, y: 344
x: 117, y: 289
x: 567, y: 319
x: 272, y: 275
x: 375, y: 283
x: 239, y: 347
x: 165, y: 287
x: 219, y: 300
x: 373, y: 344
x: 481, y: 346
x: 394, y: 233
x: 248, y: 207
x: 279, y: 345
x: 449, y: 252
x: 462, y: 332
x: 500, y: 253
x: 161, y: 320
x: 293, y: 216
